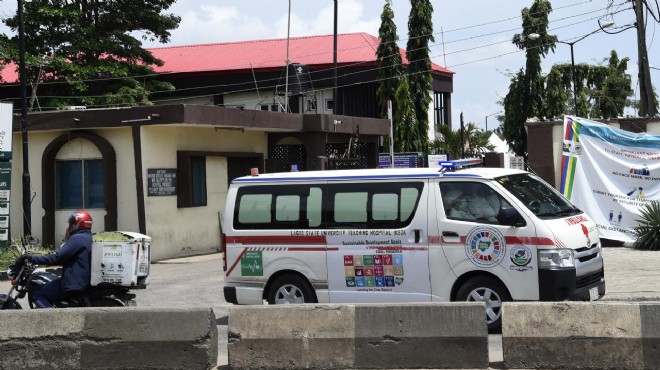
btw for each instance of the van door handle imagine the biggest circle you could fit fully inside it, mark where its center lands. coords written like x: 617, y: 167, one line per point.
x: 418, y: 235
x: 449, y: 233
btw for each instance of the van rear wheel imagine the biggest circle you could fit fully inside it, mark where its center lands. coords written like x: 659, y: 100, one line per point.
x: 489, y: 291
x: 290, y: 289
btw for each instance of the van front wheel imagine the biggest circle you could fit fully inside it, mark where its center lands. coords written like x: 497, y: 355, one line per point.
x: 489, y: 291
x: 290, y: 289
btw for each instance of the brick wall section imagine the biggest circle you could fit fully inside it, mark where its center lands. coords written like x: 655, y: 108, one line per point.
x: 539, y: 149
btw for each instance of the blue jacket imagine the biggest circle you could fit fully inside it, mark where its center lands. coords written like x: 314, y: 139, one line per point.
x: 75, y: 256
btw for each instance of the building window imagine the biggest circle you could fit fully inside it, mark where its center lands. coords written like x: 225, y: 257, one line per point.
x: 329, y: 104
x: 79, y: 184
x: 198, y: 181
x: 440, y: 113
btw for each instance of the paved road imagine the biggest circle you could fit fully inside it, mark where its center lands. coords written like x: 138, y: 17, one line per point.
x: 630, y: 275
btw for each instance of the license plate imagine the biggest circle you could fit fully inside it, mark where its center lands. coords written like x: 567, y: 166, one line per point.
x: 593, y: 294
x: 131, y: 303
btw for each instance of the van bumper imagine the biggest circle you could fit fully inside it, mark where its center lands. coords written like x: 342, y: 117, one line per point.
x: 564, y: 285
x: 230, y: 294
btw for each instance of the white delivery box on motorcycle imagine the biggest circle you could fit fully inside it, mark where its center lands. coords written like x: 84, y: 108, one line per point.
x: 121, y: 258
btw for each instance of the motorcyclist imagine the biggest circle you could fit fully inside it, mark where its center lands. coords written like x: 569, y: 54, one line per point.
x: 75, y: 257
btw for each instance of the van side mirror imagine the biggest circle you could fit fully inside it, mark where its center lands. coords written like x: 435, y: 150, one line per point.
x: 510, y: 217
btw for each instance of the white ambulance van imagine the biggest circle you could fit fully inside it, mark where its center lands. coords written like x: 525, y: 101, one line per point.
x: 407, y: 235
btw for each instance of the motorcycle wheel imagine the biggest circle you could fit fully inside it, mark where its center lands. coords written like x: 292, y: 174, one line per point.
x: 107, y: 302
x: 11, y: 303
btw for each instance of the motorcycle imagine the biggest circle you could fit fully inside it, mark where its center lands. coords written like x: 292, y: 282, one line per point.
x: 26, y: 280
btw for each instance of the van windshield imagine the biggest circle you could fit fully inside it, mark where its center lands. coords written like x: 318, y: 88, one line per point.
x: 539, y: 197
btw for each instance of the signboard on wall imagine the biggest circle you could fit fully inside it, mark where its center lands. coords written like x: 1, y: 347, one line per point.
x: 517, y: 163
x: 161, y: 181
x: 435, y: 159
x: 5, y: 130
x: 5, y: 171
x: 401, y: 160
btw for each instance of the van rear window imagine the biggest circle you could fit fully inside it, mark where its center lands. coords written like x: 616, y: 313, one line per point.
x: 327, y: 206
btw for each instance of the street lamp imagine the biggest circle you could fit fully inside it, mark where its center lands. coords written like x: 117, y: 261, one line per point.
x: 490, y: 115
x: 534, y: 36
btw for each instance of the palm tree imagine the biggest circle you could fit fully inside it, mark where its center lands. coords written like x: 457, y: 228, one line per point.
x: 475, y: 142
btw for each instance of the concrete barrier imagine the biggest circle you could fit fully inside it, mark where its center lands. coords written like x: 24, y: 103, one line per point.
x: 581, y: 335
x: 370, y: 336
x: 109, y: 338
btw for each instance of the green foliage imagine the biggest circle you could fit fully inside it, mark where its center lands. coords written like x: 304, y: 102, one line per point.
x: 19, y: 247
x: 648, y: 229
x: 90, y: 48
x: 449, y: 142
x: 388, y: 59
x: 513, y: 129
x: 526, y: 91
x: 405, y: 134
x: 420, y: 33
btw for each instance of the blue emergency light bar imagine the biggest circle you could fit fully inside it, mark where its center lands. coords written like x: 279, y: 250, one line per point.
x: 460, y: 163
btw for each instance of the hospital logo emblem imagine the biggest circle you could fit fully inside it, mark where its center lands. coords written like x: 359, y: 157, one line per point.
x: 520, y: 256
x: 485, y: 246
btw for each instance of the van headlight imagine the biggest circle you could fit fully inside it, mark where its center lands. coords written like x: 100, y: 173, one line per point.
x: 556, y: 258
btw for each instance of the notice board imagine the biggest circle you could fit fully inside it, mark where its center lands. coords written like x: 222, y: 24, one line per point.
x: 161, y: 181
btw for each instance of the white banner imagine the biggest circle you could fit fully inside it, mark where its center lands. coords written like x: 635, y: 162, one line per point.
x: 609, y: 174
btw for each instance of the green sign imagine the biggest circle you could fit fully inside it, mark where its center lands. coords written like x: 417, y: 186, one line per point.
x: 5, y: 185
x: 252, y: 264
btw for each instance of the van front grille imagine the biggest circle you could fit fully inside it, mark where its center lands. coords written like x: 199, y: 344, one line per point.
x: 589, y: 279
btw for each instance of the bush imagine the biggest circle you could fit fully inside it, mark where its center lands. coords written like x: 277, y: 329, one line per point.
x: 648, y: 230
x: 17, y: 249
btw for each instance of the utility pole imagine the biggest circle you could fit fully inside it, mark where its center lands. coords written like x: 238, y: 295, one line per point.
x: 334, y: 64
x: 646, y: 106
x: 27, y: 207
x: 462, y: 138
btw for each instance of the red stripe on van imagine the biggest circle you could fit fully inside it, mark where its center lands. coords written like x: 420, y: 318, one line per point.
x: 533, y: 240
x: 236, y: 262
x: 277, y: 239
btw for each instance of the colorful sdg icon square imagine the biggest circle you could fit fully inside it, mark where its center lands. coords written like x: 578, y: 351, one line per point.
x: 360, y: 281
x: 350, y: 281
x: 380, y: 281
x: 397, y: 260
x: 371, y: 281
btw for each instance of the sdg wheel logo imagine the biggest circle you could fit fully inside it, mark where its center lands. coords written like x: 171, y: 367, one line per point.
x: 485, y: 246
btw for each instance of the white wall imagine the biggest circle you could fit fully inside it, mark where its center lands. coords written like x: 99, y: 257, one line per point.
x: 121, y: 141
x: 194, y: 230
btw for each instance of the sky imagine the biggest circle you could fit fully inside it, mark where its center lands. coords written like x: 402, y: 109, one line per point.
x: 472, y: 37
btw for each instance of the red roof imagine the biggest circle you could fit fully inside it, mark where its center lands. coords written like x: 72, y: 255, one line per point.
x: 262, y: 54
x: 271, y: 54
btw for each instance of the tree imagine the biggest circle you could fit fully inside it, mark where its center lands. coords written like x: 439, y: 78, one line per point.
x: 388, y: 59
x: 527, y: 87
x: 405, y: 135
x: 420, y: 32
x: 90, y: 49
x: 603, y: 91
x: 611, y: 95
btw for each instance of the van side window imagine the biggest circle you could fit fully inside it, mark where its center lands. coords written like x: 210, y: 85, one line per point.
x: 374, y: 205
x: 254, y: 208
x: 350, y: 207
x: 471, y: 201
x: 385, y: 207
x: 314, y: 207
x: 278, y: 207
x: 287, y: 208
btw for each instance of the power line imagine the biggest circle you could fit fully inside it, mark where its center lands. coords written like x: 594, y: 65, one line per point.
x: 318, y: 71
